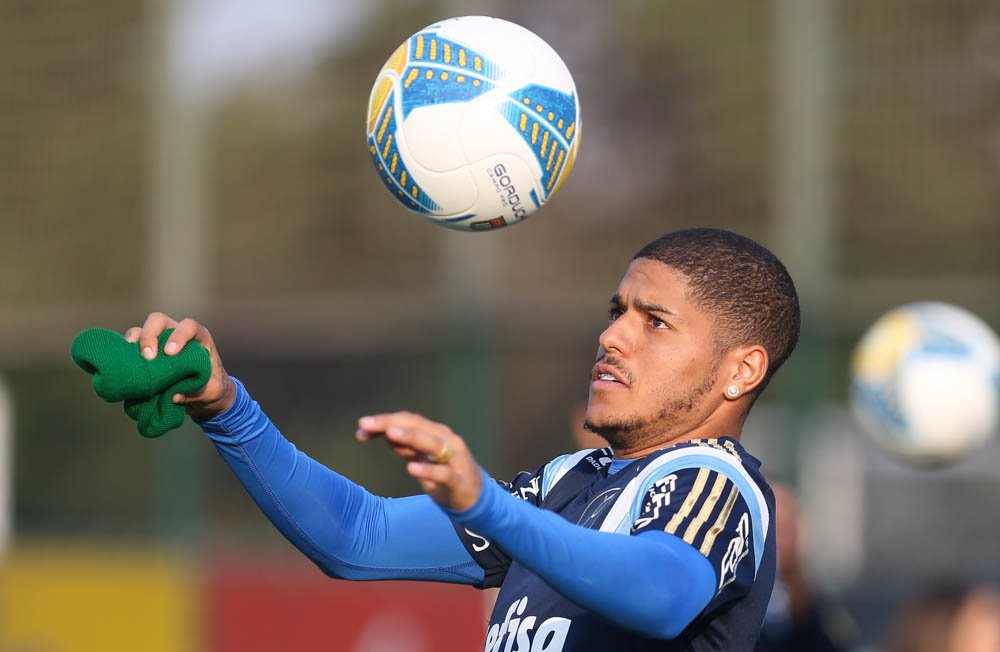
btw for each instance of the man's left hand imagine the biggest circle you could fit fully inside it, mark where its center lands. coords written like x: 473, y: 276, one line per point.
x: 438, y: 458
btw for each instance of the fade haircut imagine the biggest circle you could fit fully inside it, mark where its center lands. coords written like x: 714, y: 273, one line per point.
x: 741, y: 284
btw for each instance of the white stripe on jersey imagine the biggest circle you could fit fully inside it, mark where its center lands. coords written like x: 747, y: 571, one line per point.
x: 629, y: 501
x: 557, y: 468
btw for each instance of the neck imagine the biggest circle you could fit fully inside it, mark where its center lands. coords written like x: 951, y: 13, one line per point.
x: 712, y: 428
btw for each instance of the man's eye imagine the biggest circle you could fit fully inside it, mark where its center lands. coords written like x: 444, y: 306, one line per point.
x: 615, y: 313
x: 656, y: 322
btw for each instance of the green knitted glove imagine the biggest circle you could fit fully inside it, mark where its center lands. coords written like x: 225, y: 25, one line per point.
x: 146, y: 386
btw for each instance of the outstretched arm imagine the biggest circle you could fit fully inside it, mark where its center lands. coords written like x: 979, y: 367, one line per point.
x: 653, y: 583
x: 347, y: 531
x: 343, y: 528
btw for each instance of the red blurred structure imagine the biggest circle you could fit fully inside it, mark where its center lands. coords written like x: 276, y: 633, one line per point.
x: 255, y: 605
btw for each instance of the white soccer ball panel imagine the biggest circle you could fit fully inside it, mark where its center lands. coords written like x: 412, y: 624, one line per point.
x: 949, y: 403
x: 485, y: 133
x: 975, y: 334
x: 550, y: 67
x: 926, y: 382
x: 473, y: 93
x: 511, y: 47
x: 454, y: 190
x: 504, y: 183
x: 433, y: 137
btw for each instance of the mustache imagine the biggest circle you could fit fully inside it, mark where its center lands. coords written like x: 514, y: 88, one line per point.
x: 618, y: 366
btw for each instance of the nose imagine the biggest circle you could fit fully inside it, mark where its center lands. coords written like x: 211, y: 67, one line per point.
x: 616, y: 338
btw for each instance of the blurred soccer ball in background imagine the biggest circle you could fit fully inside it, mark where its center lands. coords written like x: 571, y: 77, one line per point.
x: 926, y: 382
x: 473, y: 123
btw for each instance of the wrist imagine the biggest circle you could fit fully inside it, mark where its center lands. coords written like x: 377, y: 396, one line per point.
x: 482, y: 507
x: 212, y: 409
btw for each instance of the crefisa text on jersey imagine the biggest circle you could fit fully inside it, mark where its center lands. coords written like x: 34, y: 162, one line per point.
x: 505, y: 188
x: 522, y: 635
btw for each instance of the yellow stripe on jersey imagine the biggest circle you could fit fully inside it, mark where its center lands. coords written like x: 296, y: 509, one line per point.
x: 689, y: 502
x: 724, y: 446
x: 720, y: 523
x: 706, y: 508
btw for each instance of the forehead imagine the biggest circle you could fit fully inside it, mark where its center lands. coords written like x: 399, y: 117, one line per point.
x: 650, y: 280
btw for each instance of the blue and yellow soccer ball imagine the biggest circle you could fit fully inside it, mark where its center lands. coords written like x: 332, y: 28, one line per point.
x: 926, y: 382
x: 474, y: 123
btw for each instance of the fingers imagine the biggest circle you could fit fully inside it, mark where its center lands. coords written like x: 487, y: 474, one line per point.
x: 187, y: 330
x: 411, y: 432
x: 437, y: 457
x: 431, y: 475
x: 375, y: 425
x: 155, y: 324
x: 379, y: 422
x: 431, y: 446
x: 148, y: 334
x: 407, y: 453
x: 411, y: 436
x: 218, y: 393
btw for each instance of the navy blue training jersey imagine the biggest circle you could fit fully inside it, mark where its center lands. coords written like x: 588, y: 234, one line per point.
x: 709, y: 492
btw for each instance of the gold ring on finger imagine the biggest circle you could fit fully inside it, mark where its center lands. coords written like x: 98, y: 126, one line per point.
x: 445, y: 455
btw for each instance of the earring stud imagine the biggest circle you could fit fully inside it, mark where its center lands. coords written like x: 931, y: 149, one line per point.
x: 732, y: 391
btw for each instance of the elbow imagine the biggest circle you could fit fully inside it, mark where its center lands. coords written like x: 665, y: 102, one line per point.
x: 341, y: 570
x: 335, y: 568
x: 330, y: 568
x: 344, y: 572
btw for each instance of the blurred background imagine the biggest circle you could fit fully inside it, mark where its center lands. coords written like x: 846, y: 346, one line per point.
x: 208, y: 158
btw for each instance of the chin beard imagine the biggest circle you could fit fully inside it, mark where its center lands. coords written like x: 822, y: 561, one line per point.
x: 630, y: 432
x: 617, y: 432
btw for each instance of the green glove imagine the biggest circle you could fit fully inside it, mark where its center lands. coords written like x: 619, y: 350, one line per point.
x: 146, y: 386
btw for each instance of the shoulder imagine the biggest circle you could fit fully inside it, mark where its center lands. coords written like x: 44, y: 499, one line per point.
x: 692, y: 480
x: 722, y: 458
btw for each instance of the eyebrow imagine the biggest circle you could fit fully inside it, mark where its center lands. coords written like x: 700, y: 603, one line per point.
x: 645, y: 306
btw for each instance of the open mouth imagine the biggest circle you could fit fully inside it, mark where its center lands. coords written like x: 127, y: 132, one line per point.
x: 605, y: 374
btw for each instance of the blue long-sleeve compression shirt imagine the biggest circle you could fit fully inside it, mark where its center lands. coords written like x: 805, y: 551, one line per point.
x: 653, y: 583
x: 348, y: 532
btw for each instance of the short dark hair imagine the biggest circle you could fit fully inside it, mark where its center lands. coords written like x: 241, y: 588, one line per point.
x: 742, y: 284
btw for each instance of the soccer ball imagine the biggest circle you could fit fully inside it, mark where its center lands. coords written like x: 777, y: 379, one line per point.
x: 926, y: 382
x: 473, y: 123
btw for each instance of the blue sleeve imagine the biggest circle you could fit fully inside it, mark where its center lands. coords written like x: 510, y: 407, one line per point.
x: 347, y: 531
x: 493, y: 559
x: 652, y: 583
x: 705, y: 507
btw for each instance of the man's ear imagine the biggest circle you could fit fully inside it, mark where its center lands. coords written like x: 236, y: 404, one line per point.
x: 747, y: 368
